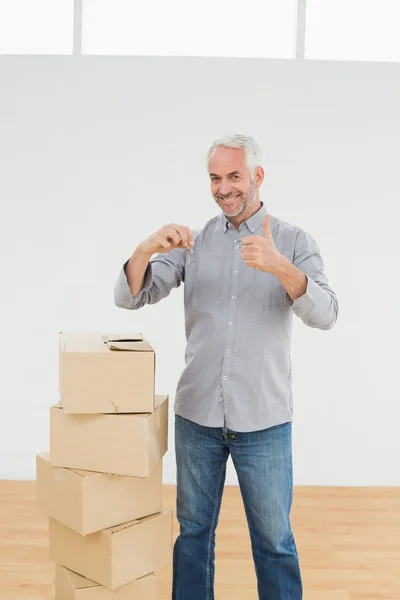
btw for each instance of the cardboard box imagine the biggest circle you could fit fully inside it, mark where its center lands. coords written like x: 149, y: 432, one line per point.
x: 106, y: 373
x: 87, y: 501
x: 117, y: 555
x: 129, y: 444
x: 71, y: 586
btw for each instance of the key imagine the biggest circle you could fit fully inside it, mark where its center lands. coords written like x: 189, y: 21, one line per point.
x: 189, y: 252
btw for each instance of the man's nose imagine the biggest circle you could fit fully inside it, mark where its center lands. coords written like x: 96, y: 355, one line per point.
x: 225, y: 188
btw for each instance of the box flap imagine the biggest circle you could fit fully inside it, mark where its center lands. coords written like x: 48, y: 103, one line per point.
x: 82, y: 473
x: 78, y: 582
x: 159, y: 399
x: 135, y: 343
x: 44, y: 456
x: 87, y: 473
x: 96, y: 342
x: 117, y: 528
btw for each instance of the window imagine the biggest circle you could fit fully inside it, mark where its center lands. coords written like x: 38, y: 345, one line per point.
x: 366, y: 30
x: 36, y: 26
x: 227, y: 28
x: 353, y: 30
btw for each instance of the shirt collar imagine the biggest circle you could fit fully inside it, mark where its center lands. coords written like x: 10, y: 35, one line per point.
x: 253, y: 223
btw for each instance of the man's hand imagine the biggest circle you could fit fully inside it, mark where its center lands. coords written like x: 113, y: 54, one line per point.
x: 260, y: 252
x: 166, y: 239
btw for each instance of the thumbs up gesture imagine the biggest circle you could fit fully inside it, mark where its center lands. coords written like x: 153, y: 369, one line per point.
x: 260, y: 252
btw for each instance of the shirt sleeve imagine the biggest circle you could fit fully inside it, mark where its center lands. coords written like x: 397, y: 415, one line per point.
x: 318, y: 307
x: 164, y: 272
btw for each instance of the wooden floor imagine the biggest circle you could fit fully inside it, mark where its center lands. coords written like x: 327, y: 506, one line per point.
x: 348, y: 541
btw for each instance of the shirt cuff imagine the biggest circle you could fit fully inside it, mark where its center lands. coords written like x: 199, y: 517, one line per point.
x: 147, y: 281
x: 308, y: 300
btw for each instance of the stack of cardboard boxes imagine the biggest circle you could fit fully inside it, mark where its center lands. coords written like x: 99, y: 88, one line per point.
x: 101, y: 483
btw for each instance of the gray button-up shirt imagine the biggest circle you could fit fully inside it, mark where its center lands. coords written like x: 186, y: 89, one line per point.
x: 238, y: 321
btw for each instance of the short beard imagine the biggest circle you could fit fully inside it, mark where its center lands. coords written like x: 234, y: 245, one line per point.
x: 244, y: 206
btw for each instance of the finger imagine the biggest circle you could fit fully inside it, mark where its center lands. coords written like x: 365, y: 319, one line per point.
x: 162, y: 241
x: 248, y: 240
x: 190, y: 235
x: 250, y: 263
x: 250, y: 254
x: 267, y: 227
x: 170, y: 235
x: 174, y: 236
x: 249, y: 251
x: 251, y: 260
x: 182, y: 231
x: 184, y: 236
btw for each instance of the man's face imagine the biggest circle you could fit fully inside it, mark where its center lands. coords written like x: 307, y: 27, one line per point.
x: 230, y: 181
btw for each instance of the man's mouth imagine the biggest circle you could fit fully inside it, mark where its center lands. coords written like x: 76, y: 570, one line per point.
x: 230, y: 200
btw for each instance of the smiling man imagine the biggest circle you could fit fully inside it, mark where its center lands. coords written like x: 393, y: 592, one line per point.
x: 245, y: 273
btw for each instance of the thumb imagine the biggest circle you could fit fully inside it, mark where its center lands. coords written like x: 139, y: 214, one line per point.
x: 267, y: 227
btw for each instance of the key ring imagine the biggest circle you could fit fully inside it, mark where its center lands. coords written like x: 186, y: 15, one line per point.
x: 189, y: 253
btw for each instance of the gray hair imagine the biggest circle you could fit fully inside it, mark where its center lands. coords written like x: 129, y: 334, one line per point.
x: 237, y: 140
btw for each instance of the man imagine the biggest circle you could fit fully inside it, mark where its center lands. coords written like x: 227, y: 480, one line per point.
x: 245, y: 273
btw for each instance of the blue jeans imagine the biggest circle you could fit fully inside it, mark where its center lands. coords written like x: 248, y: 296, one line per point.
x: 263, y: 463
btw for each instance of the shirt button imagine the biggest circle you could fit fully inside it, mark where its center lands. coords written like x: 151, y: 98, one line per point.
x: 225, y: 377
x: 235, y: 241
x: 228, y: 350
x: 230, y: 323
x: 233, y: 297
x: 236, y: 246
x: 220, y: 399
x: 236, y: 272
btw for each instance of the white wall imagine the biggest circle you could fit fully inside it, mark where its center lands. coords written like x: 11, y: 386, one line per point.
x: 98, y: 152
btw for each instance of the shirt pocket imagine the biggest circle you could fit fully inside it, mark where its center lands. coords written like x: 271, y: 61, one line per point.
x: 268, y: 290
x: 209, y: 280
